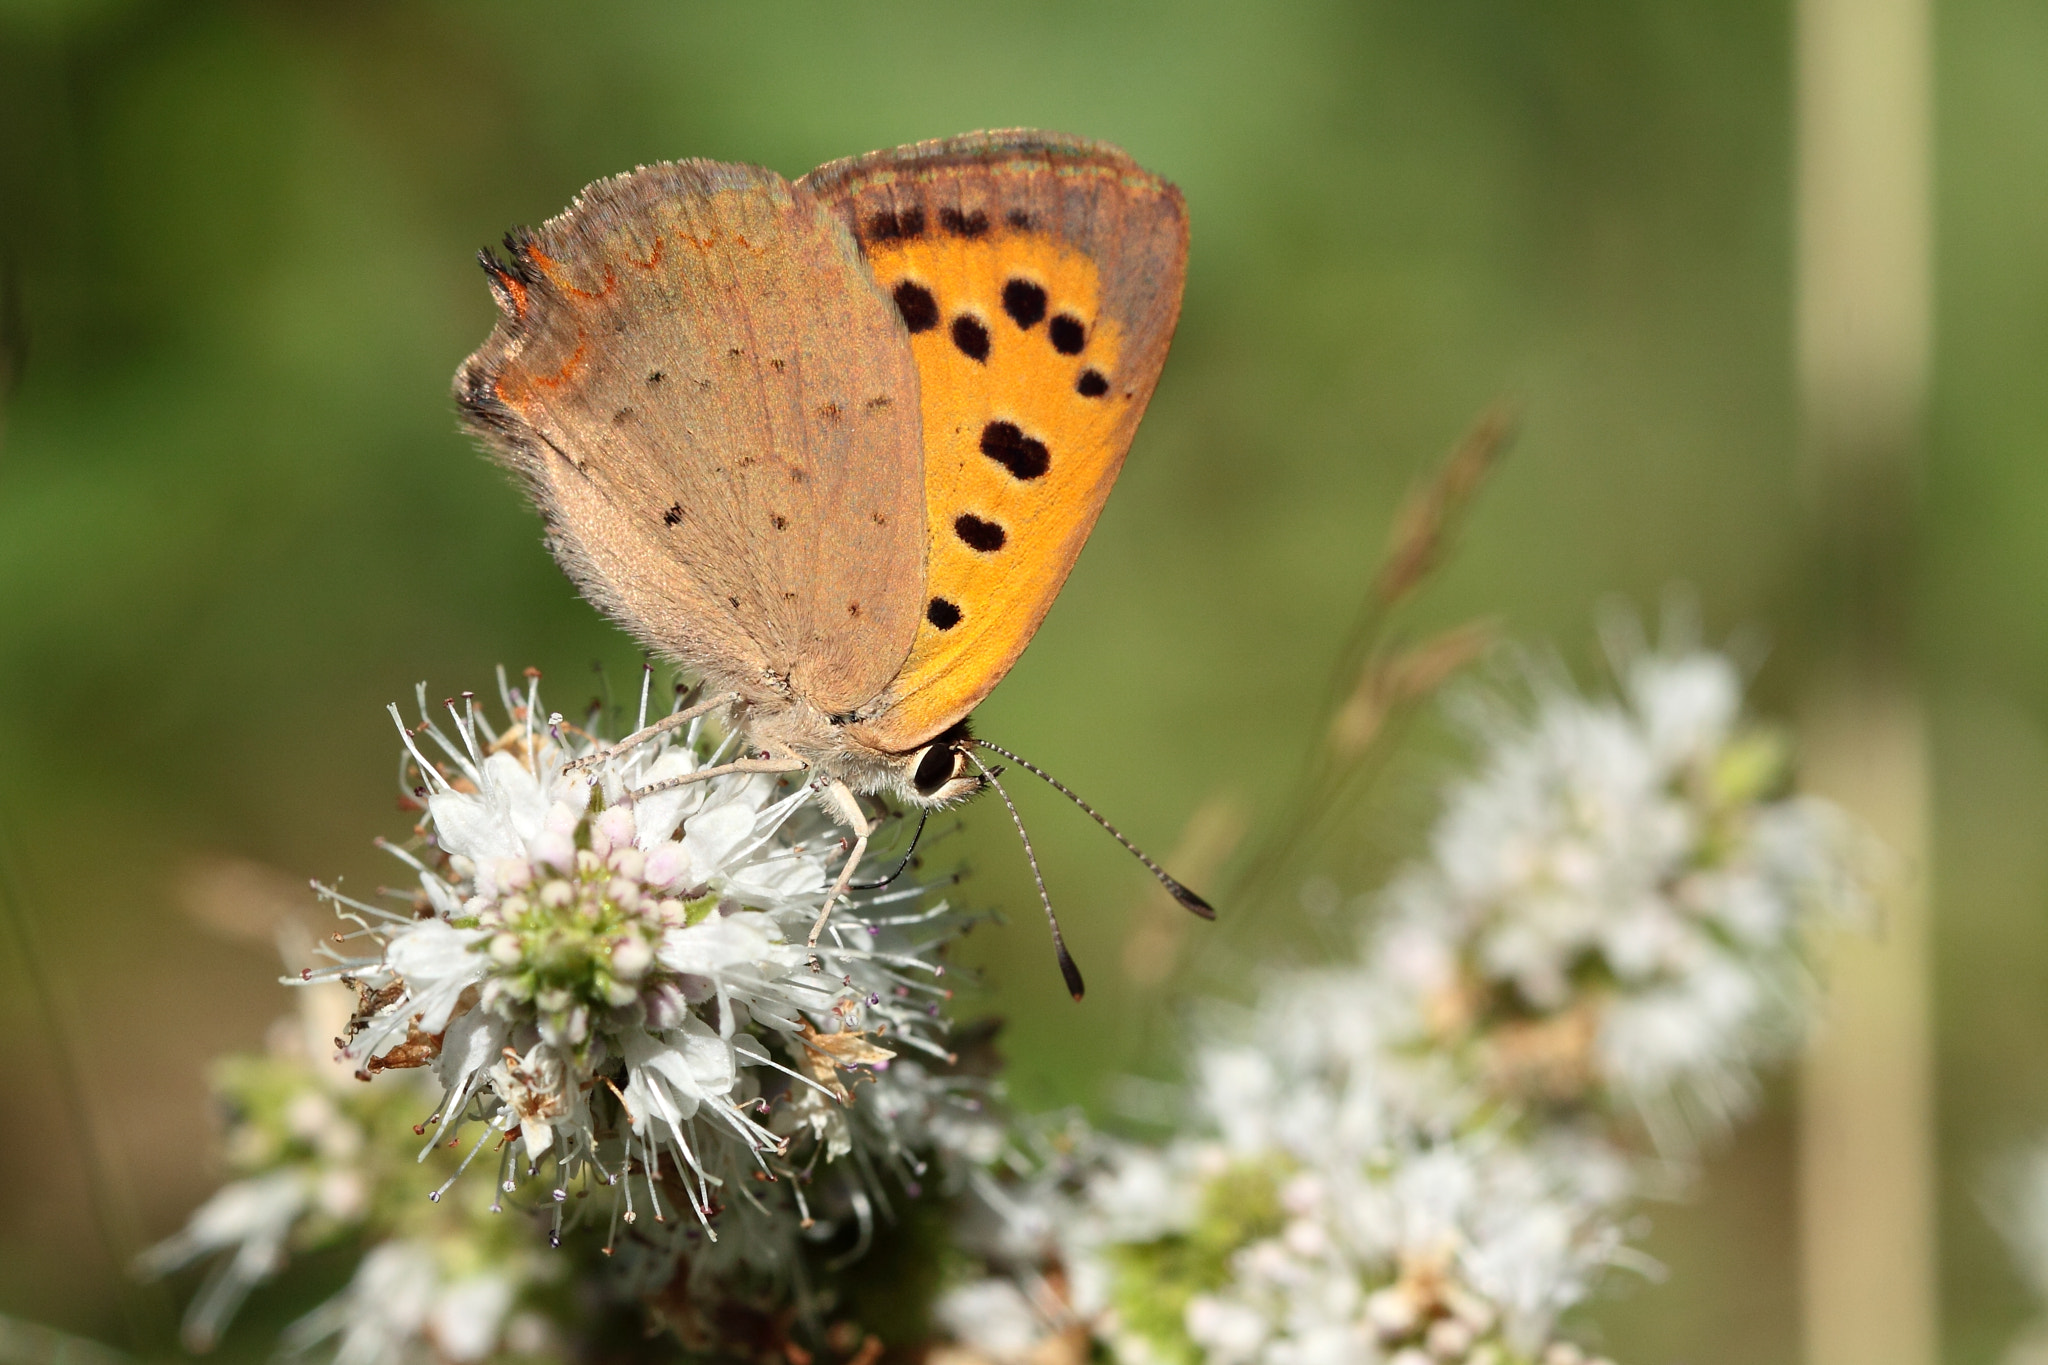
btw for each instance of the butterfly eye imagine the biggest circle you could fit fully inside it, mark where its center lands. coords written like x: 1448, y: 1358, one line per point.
x: 935, y: 769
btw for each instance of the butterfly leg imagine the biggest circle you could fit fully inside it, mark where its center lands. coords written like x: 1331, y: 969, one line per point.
x: 768, y: 763
x: 660, y: 727
x: 840, y: 803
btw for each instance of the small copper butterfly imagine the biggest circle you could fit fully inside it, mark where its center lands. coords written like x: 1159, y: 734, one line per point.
x: 834, y: 444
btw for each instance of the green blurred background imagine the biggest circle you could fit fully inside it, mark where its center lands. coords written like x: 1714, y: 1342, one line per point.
x: 237, y: 516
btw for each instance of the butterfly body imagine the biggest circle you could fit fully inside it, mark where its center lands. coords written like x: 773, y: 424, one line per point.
x: 834, y: 444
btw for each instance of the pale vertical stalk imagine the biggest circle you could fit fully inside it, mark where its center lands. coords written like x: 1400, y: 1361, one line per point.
x: 1866, y: 1143
x: 1866, y: 1131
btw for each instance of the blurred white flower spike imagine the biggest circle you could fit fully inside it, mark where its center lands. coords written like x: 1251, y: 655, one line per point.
x: 416, y: 1301
x: 1616, y: 908
x: 1430, y: 1153
x: 303, y: 1143
x: 2017, y: 1203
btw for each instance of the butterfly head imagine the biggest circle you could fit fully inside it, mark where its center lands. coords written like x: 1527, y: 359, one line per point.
x: 939, y: 774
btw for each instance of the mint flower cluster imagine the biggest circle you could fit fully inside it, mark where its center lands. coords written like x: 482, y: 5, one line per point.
x: 321, y: 1161
x: 610, y: 996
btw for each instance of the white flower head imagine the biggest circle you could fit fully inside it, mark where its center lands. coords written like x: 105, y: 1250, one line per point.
x: 307, y: 1170
x: 618, y: 987
x: 1364, y: 1230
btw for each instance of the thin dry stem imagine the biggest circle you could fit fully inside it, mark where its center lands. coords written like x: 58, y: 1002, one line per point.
x: 1371, y: 682
x: 1425, y: 524
x: 1390, y: 681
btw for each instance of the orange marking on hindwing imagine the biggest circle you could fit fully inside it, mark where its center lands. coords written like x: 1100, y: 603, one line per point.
x: 569, y: 367
x: 554, y: 272
x: 660, y: 244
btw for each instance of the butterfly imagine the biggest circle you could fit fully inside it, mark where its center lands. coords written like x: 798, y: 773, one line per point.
x: 834, y: 444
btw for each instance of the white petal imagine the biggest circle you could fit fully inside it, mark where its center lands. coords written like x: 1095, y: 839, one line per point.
x: 659, y: 814
x: 472, y: 826
x: 714, y: 835
x: 725, y: 943
x: 516, y: 792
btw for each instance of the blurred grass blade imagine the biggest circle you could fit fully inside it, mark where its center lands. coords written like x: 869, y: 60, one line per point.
x: 1373, y: 681
x: 31, y: 1343
x: 113, y: 1211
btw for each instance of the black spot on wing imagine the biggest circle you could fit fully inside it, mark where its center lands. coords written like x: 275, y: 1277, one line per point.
x: 919, y: 309
x: 960, y: 224
x: 984, y: 536
x: 1019, y: 219
x: 1068, y: 335
x: 971, y: 337
x: 942, y: 613
x: 1091, y: 384
x: 673, y: 516
x: 1024, y: 302
x: 891, y: 225
x: 1024, y: 456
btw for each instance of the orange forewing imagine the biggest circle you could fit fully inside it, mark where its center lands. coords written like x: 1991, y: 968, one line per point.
x: 1044, y: 520
x: 1039, y: 278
